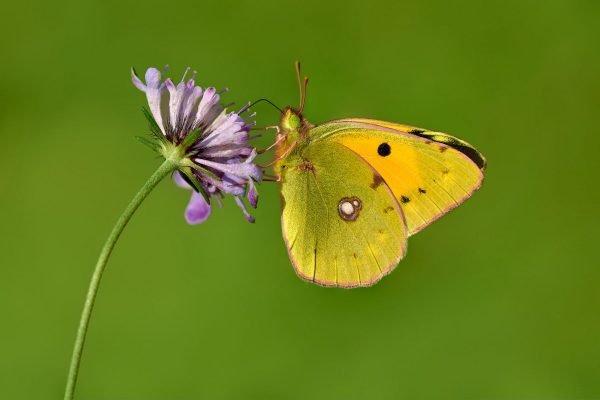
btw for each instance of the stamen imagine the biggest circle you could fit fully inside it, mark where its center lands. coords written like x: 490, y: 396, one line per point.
x: 241, y: 204
x: 185, y: 73
x: 218, y: 199
x: 245, y: 108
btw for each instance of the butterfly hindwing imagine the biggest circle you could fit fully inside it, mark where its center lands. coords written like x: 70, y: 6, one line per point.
x: 341, y: 222
x: 429, y: 173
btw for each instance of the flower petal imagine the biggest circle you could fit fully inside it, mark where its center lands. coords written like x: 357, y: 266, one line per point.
x: 204, y: 115
x: 228, y: 128
x: 252, y: 195
x: 198, y: 210
x: 226, y: 151
x: 137, y: 81
x: 245, y: 170
x: 179, y: 181
x: 192, y: 101
x: 154, y: 89
x: 179, y: 99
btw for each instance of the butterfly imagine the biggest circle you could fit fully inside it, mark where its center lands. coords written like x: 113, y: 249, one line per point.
x: 353, y: 190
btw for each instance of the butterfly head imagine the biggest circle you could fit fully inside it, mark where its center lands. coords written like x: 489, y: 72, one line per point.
x: 290, y: 120
x: 293, y: 130
x: 293, y: 124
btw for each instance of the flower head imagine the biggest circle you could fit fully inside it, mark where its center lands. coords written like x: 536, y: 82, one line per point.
x: 208, y: 143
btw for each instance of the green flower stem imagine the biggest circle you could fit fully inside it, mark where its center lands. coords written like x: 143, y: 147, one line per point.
x: 165, y: 169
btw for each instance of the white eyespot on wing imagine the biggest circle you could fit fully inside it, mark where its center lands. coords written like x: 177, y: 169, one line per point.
x: 349, y: 208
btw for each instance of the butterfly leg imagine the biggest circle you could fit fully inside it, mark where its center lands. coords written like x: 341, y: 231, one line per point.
x: 271, y: 178
x: 275, y: 143
x: 264, y: 128
x: 284, y: 155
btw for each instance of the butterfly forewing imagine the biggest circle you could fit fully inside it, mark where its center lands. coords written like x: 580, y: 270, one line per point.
x: 427, y: 177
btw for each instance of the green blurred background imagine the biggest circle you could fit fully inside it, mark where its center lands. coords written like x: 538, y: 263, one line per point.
x: 498, y: 300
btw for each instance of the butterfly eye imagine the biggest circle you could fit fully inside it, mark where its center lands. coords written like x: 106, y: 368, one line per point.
x: 384, y: 149
x: 349, y: 208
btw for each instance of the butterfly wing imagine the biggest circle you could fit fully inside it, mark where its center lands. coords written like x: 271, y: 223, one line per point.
x: 429, y: 173
x: 341, y: 222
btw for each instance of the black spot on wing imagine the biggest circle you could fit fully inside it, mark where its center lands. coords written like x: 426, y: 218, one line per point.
x: 422, y: 191
x: 404, y: 199
x: 384, y: 149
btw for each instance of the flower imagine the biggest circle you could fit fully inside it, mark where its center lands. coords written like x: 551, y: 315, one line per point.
x: 208, y: 143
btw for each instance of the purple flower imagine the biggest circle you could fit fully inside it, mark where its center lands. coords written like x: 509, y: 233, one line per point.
x: 208, y: 143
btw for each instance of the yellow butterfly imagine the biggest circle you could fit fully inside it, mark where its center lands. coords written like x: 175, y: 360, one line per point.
x: 353, y: 190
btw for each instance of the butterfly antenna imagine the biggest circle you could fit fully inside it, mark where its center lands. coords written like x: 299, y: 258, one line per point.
x: 301, y: 86
x: 304, y: 97
x: 265, y: 100
x: 299, y: 83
